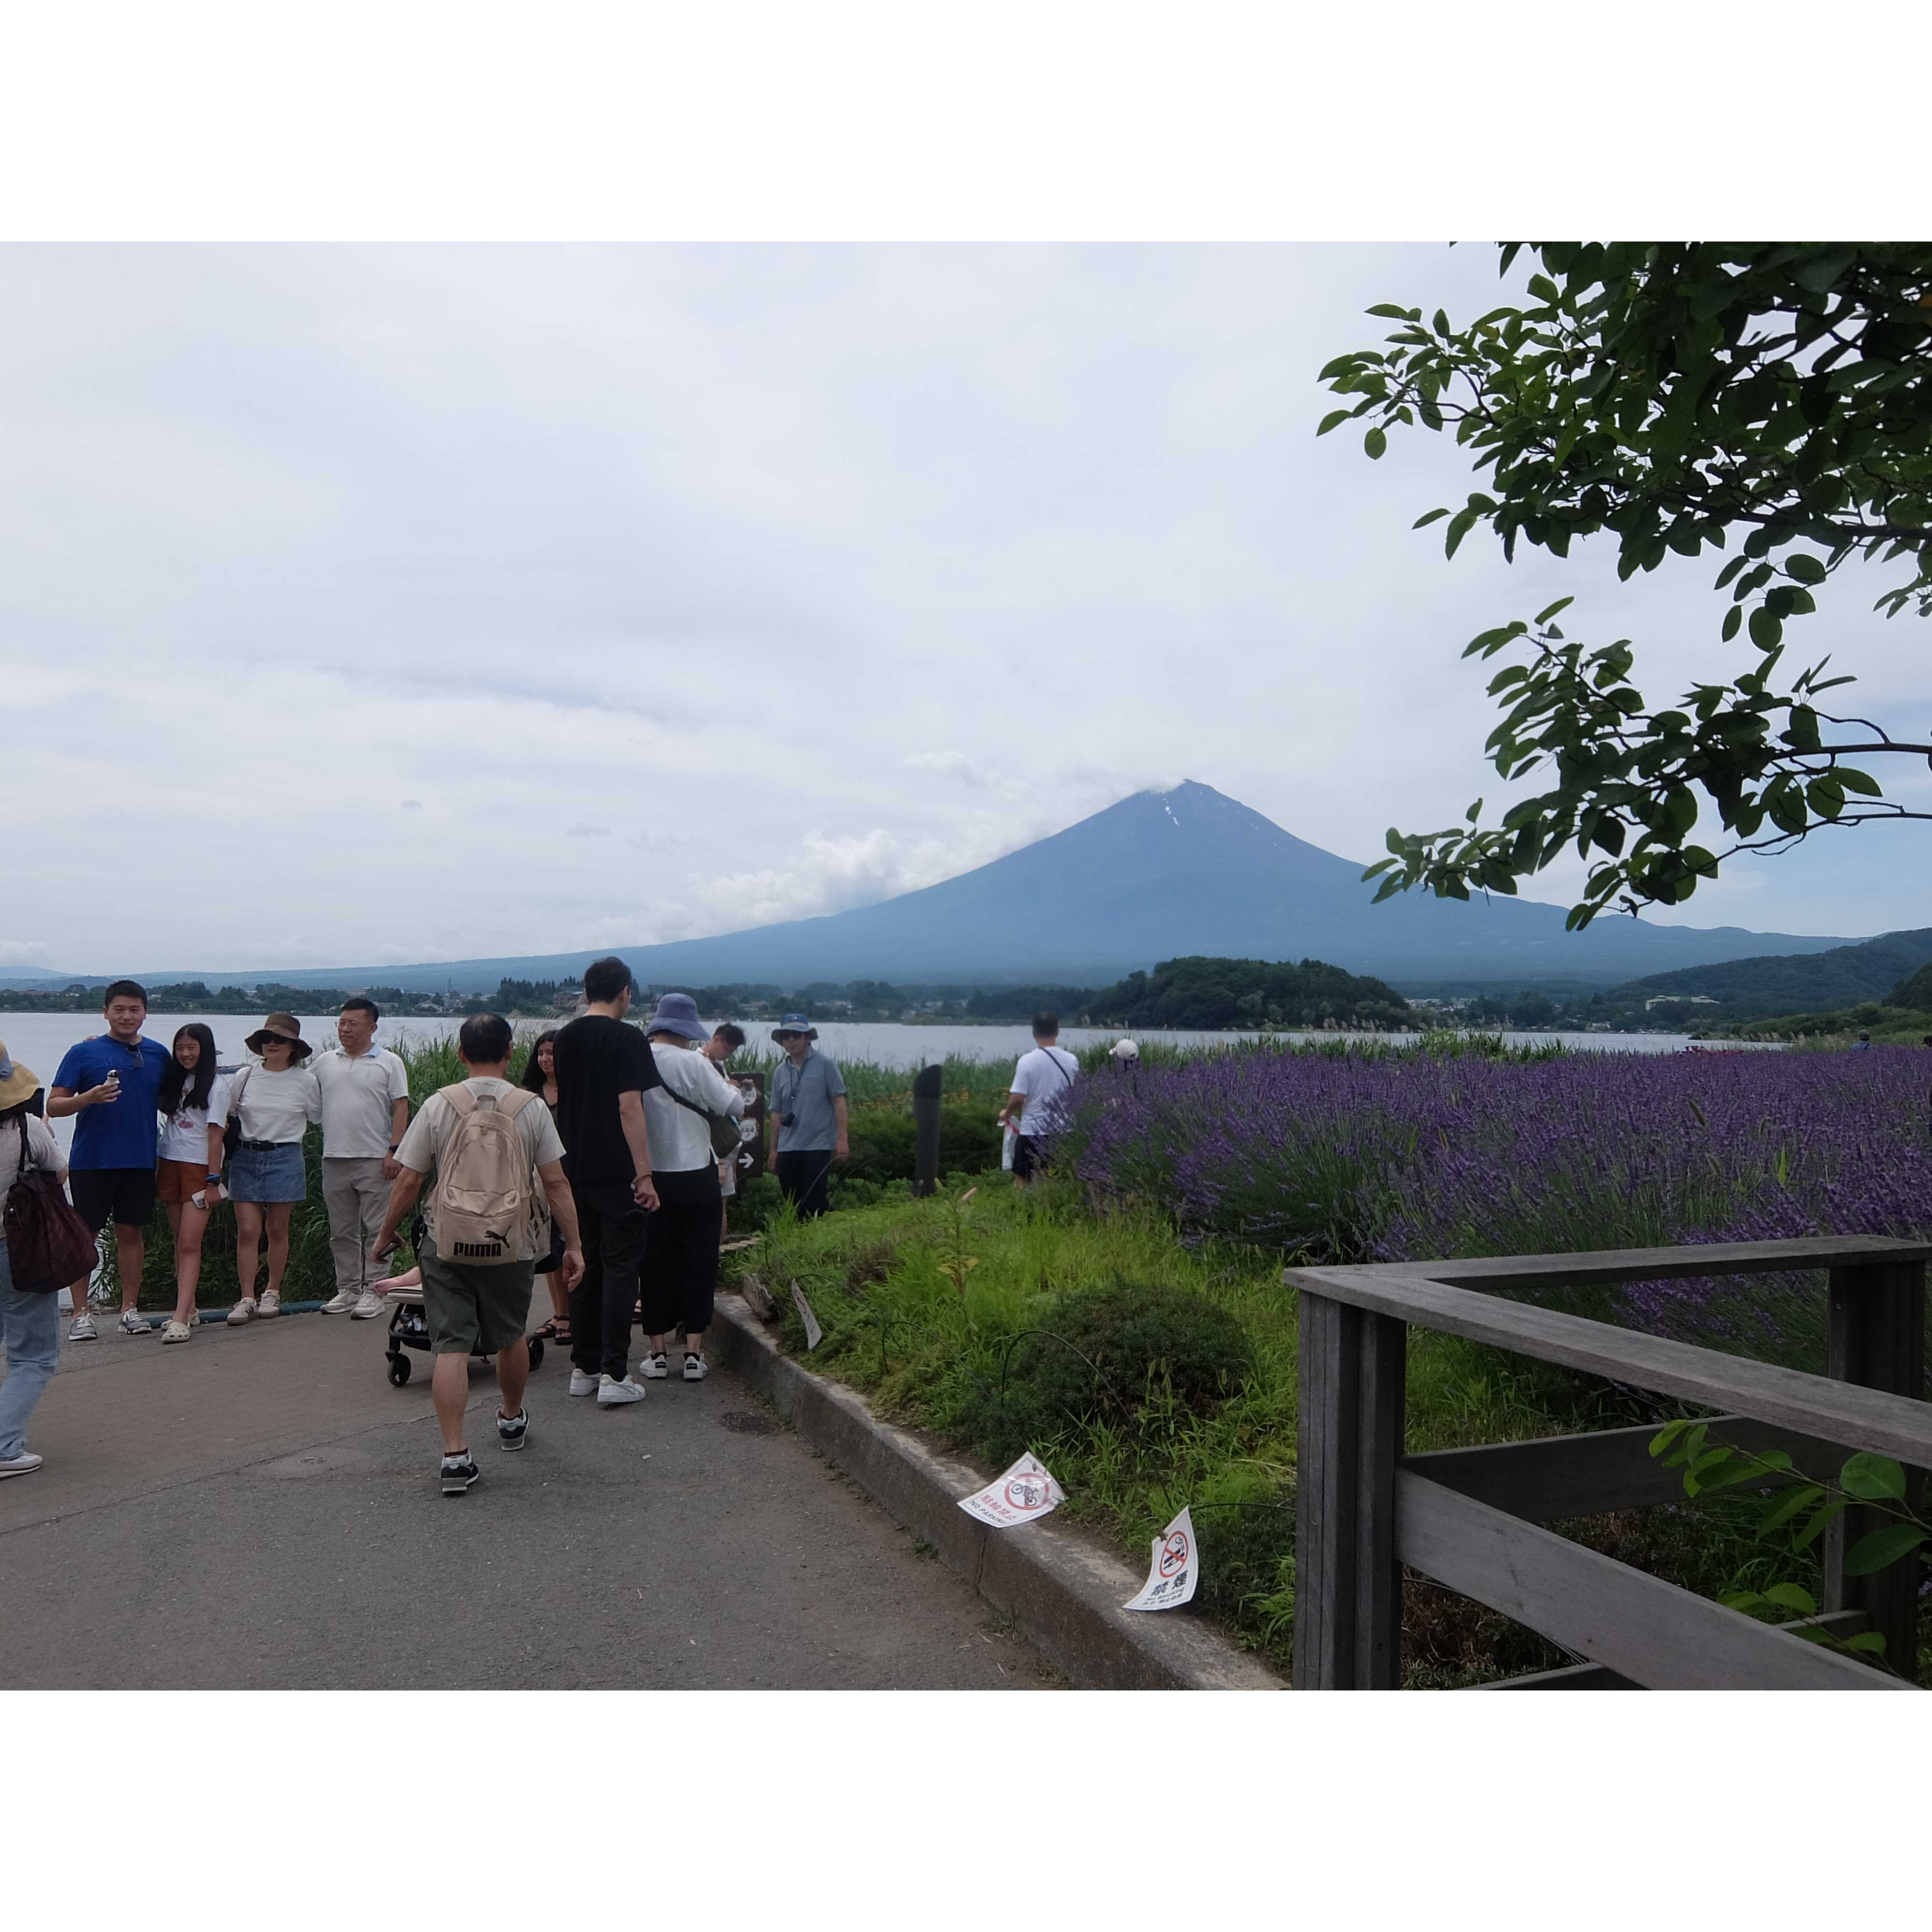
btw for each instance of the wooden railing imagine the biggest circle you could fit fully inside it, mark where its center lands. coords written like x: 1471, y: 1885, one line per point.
x: 1472, y: 1518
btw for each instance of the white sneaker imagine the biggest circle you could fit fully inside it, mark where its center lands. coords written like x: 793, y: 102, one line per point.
x: 133, y: 1322
x: 368, y: 1305
x: 653, y: 1368
x: 610, y: 1392
x: 24, y: 1464
x: 82, y: 1328
x: 581, y: 1384
x: 271, y: 1305
x: 244, y: 1310
x: 341, y: 1302
x: 695, y: 1368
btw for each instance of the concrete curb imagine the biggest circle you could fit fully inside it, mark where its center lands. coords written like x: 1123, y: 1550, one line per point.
x: 1062, y: 1593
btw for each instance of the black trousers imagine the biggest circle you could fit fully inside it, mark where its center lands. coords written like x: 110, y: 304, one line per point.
x: 613, y: 1228
x: 801, y: 1180
x: 680, y: 1271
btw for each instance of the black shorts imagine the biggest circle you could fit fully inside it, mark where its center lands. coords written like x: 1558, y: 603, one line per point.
x: 124, y: 1194
x: 1028, y: 1159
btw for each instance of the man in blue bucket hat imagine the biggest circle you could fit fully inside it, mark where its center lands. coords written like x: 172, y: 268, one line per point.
x: 807, y: 1116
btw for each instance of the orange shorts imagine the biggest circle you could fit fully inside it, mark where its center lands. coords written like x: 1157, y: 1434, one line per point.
x: 177, y: 1180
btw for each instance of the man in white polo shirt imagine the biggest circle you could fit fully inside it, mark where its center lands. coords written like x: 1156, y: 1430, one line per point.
x: 365, y: 1107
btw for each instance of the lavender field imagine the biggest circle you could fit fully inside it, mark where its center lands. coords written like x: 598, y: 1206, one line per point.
x: 1413, y: 1155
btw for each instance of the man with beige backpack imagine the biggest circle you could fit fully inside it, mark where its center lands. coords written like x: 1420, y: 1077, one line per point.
x: 499, y: 1181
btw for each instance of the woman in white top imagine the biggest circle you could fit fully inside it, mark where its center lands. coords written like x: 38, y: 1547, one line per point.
x: 679, y: 1273
x: 193, y: 1102
x: 272, y: 1105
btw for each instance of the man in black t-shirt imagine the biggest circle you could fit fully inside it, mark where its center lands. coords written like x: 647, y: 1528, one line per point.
x: 603, y: 1064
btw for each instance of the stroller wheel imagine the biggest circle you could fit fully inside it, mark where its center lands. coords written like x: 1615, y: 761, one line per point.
x: 399, y: 1369
x: 536, y: 1348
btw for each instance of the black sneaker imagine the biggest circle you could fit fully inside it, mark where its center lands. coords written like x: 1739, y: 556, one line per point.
x: 512, y: 1430
x: 459, y: 1471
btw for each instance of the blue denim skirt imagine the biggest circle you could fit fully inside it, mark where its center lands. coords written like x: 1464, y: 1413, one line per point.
x: 275, y: 1173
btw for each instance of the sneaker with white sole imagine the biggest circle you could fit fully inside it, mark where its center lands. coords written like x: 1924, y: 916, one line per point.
x: 368, y: 1306
x: 270, y: 1307
x: 244, y: 1311
x: 512, y: 1431
x: 695, y: 1368
x: 341, y: 1302
x: 82, y: 1329
x: 133, y: 1322
x: 581, y: 1383
x: 459, y: 1471
x: 611, y: 1392
x: 176, y: 1331
x: 24, y: 1464
x: 653, y: 1368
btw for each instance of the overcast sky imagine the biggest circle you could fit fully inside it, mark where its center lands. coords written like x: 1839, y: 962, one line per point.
x: 369, y: 605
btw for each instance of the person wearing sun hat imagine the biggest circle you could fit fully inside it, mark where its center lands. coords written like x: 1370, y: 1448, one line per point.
x: 807, y: 1116
x: 272, y: 1101
x: 29, y: 1324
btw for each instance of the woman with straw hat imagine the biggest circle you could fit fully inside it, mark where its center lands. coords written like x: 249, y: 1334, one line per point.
x: 30, y: 1323
x: 272, y: 1103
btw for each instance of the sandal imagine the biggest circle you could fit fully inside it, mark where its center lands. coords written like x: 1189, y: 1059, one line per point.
x: 557, y: 1329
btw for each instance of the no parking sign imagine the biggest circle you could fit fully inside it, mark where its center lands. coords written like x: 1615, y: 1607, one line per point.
x: 1025, y: 1492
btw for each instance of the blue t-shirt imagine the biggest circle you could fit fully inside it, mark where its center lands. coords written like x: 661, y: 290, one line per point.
x: 124, y: 1132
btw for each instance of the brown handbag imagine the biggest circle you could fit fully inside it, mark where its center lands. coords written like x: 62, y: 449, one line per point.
x: 48, y: 1245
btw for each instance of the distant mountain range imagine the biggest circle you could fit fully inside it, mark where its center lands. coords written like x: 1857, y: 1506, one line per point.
x: 1159, y: 876
x: 1744, y: 990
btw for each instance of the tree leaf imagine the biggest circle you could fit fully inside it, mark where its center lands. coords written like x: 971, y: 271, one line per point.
x: 1792, y: 1597
x: 1871, y: 1641
x: 1782, y: 1509
x: 1561, y: 604
x: 1765, y: 630
x: 1884, y: 1547
x: 1427, y: 517
x: 1375, y: 441
x: 1334, y: 417
x: 1873, y: 1478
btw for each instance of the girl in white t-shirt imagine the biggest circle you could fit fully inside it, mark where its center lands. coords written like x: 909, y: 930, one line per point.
x: 193, y: 1102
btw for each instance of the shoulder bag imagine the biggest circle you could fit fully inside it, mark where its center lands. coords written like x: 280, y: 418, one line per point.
x: 725, y: 1138
x: 231, y: 1132
x: 48, y: 1244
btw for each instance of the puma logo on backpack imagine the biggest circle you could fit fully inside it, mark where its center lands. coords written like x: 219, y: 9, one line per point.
x: 487, y: 1206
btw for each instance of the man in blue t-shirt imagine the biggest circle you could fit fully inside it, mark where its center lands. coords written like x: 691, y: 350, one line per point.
x: 111, y: 1085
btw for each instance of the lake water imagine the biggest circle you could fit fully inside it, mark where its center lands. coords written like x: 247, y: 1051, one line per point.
x: 38, y: 1040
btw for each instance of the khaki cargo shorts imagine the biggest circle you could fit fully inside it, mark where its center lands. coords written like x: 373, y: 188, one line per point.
x: 472, y: 1310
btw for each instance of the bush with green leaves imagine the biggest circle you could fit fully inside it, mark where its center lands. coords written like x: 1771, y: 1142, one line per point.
x: 1146, y: 1356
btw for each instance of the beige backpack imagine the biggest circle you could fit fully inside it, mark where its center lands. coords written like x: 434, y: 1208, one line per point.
x: 487, y: 1206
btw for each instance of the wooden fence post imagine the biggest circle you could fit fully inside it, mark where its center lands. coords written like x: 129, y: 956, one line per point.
x: 926, y: 1095
x: 1348, y: 1588
x: 1877, y: 1337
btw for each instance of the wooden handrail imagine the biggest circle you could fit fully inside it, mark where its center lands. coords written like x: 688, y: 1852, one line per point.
x: 1865, y: 1418
x: 1470, y: 1518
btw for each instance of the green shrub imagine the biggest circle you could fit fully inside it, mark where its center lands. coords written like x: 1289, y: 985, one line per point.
x: 1150, y: 1356
x: 884, y: 1142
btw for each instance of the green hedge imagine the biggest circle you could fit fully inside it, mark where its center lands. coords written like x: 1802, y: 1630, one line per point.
x: 885, y: 1144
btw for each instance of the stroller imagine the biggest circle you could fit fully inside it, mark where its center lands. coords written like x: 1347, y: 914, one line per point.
x: 409, y: 1326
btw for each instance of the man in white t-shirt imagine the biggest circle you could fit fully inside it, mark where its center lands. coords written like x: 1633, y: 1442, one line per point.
x: 365, y: 1107
x: 476, y: 1308
x: 1041, y: 1082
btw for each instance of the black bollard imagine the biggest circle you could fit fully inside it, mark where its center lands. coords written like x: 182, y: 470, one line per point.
x: 925, y: 1120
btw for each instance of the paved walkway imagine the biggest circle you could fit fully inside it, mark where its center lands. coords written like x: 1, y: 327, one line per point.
x: 259, y: 1509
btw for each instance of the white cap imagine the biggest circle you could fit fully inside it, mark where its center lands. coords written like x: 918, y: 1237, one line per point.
x: 1126, y: 1050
